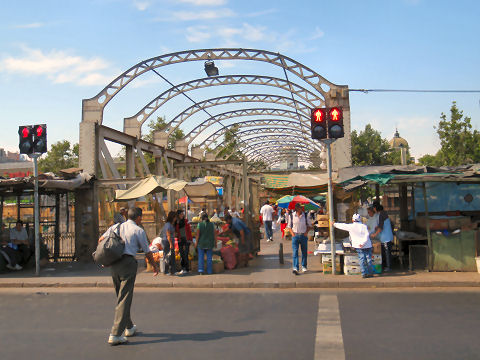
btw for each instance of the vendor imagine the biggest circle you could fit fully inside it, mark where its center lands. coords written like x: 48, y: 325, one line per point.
x: 10, y: 255
x: 361, y: 242
x: 240, y: 229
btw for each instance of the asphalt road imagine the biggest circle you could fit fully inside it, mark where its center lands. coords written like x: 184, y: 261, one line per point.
x: 277, y: 324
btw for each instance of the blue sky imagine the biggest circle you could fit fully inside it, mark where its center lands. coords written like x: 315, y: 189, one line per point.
x: 53, y: 54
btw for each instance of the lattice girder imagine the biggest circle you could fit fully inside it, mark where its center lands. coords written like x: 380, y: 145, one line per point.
x: 315, y: 80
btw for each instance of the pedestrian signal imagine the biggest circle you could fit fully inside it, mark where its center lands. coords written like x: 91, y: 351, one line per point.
x: 40, y: 138
x: 335, y: 123
x: 318, y: 123
x: 25, y: 144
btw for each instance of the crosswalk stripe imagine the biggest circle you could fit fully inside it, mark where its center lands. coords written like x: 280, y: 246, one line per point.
x: 329, y: 338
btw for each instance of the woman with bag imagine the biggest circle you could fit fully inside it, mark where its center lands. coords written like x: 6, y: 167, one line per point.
x: 206, y: 240
x: 168, y: 243
x: 184, y: 236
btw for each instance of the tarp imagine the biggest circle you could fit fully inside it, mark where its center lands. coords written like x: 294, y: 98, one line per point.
x: 151, y: 184
x: 297, y: 183
x: 199, y: 192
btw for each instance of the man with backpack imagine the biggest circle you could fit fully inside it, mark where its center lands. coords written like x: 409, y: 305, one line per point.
x: 299, y: 223
x: 124, y: 272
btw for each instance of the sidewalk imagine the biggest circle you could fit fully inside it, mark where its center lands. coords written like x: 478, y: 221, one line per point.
x: 265, y: 271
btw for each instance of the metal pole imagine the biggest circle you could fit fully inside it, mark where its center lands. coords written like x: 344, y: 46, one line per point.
x: 246, y: 205
x: 37, y: 218
x: 429, y: 234
x: 328, y: 143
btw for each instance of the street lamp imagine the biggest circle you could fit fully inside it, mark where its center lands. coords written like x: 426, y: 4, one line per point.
x: 210, y: 68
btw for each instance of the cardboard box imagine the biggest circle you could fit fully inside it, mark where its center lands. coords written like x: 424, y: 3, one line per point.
x: 327, y: 258
x: 218, y: 267
x: 327, y: 268
x: 352, y: 270
x: 351, y: 259
x: 377, y: 259
x: 322, y: 224
x: 322, y: 218
x: 377, y: 247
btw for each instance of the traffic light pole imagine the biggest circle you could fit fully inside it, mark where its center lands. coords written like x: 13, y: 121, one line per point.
x: 328, y: 144
x: 36, y: 216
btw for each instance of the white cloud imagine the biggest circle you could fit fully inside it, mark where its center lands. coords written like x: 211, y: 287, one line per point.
x: 197, y: 34
x: 202, y: 15
x: 59, y: 66
x: 205, y: 2
x: 317, y: 34
x: 262, y: 12
x: 141, y: 5
x: 254, y: 33
x: 30, y: 26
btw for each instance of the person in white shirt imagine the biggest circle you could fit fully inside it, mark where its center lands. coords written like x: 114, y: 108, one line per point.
x: 234, y: 213
x: 299, y: 223
x: 361, y: 242
x: 19, y: 242
x: 372, y: 221
x: 267, y: 218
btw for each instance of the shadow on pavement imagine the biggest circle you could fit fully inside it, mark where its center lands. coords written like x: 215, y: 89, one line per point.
x: 214, y: 335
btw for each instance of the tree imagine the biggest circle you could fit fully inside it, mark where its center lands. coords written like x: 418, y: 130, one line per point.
x: 160, y: 124
x: 60, y: 156
x: 459, y: 143
x: 229, y: 148
x: 368, y: 148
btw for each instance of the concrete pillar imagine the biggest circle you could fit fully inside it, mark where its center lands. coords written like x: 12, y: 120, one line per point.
x: 130, y: 161
x: 209, y: 156
x: 197, y: 152
x: 181, y: 146
x: 160, y: 138
x: 86, y: 223
x: 227, y: 191
x: 341, y: 148
x: 132, y: 127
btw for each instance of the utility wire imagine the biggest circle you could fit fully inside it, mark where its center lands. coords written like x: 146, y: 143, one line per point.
x: 366, y: 91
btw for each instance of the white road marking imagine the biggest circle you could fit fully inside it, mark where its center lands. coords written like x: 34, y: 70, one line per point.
x: 329, y: 338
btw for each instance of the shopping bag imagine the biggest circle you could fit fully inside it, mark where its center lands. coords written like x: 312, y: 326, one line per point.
x: 110, y: 249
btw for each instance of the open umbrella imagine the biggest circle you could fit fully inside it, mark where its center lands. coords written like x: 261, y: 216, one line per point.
x: 289, y: 202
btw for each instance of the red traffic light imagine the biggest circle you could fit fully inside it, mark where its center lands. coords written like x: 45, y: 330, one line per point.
x: 25, y: 132
x: 39, y: 130
x: 335, y: 114
x: 318, y: 115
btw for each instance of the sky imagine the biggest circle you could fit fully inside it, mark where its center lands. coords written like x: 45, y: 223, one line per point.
x: 53, y: 54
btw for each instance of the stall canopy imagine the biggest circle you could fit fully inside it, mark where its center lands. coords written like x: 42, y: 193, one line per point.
x: 197, y: 192
x: 297, y: 183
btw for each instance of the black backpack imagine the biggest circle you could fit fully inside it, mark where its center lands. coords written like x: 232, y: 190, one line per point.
x: 110, y: 249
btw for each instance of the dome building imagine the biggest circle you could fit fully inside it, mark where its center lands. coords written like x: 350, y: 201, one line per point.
x: 398, y: 142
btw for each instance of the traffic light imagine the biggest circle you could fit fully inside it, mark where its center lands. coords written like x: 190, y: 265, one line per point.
x: 318, y: 123
x: 26, y: 139
x: 335, y: 123
x: 40, y: 138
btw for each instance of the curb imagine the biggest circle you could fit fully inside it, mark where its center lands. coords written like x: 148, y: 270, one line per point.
x: 252, y: 285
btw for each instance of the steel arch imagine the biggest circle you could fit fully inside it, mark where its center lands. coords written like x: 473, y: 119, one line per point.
x: 262, y: 138
x: 275, y: 158
x: 255, y: 152
x: 315, y: 80
x: 256, y: 131
x: 279, y: 146
x: 238, y: 113
x: 233, y: 99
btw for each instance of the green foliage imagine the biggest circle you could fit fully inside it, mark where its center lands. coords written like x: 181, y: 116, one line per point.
x: 60, y: 156
x: 459, y: 143
x: 157, y: 125
x: 228, y: 149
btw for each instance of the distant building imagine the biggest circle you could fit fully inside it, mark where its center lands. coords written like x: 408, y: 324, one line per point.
x: 399, y: 143
x: 12, y: 164
x: 290, y: 161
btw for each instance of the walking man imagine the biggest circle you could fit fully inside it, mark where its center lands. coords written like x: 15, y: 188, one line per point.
x: 361, y: 242
x: 267, y: 218
x: 298, y: 223
x: 121, y: 216
x: 124, y: 272
x: 384, y: 229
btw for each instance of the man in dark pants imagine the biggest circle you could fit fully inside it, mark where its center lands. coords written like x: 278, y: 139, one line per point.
x: 384, y: 229
x: 124, y: 272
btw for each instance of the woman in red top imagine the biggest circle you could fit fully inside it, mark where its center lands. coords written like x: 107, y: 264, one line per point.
x: 183, y: 232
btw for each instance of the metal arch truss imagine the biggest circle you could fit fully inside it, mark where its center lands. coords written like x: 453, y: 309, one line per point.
x: 306, y: 74
x: 244, y: 112
x: 310, y: 98
x: 266, y: 151
x: 283, y: 147
x: 262, y: 131
x: 275, y: 139
x: 303, y: 108
x: 275, y: 158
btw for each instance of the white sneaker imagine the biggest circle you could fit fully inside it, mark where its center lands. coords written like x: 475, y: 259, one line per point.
x: 132, y: 331
x: 304, y: 269
x: 182, y: 272
x: 16, y: 267
x: 117, y: 340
